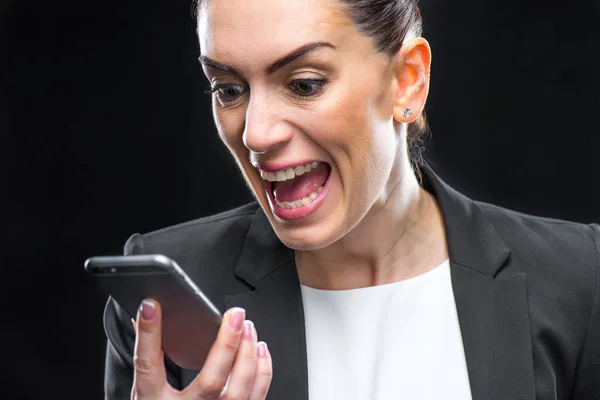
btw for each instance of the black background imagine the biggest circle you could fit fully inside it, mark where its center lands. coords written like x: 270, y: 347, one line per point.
x: 106, y: 131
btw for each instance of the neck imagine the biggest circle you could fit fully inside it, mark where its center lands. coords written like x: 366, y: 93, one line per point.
x: 402, y: 236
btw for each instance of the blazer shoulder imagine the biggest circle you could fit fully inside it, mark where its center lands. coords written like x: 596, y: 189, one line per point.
x: 567, y: 251
x: 207, y: 249
x: 207, y: 229
x: 554, y: 236
x: 504, y: 218
x: 227, y: 218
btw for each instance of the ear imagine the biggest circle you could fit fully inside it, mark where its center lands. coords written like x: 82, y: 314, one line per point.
x: 412, y: 72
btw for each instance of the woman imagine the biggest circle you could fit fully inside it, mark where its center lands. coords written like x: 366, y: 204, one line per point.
x: 364, y: 274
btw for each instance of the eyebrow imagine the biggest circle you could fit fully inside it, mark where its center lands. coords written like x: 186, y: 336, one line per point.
x: 277, y: 65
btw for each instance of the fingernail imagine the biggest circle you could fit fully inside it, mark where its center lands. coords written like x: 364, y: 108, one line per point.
x: 262, y: 349
x: 148, y: 310
x: 238, y: 315
x: 248, y: 331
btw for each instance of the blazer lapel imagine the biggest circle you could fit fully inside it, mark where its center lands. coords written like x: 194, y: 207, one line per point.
x: 276, y: 309
x: 273, y: 301
x: 274, y: 304
x: 494, y: 320
x: 491, y: 302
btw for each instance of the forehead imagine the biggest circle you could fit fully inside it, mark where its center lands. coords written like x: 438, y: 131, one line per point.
x: 243, y: 30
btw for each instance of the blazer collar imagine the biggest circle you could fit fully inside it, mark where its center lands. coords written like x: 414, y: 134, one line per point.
x: 493, y: 312
x: 262, y: 252
x: 472, y: 240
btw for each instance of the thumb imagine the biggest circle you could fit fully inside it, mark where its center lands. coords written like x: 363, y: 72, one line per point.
x: 149, y: 377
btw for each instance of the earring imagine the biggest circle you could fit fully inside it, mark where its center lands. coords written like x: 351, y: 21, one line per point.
x: 407, y: 113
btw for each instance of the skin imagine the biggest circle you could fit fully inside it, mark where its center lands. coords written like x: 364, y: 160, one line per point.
x: 235, y: 356
x: 376, y: 225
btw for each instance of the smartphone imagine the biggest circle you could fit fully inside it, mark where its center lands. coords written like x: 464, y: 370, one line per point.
x: 190, y: 321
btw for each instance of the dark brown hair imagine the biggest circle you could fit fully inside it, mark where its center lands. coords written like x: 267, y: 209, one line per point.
x: 388, y: 23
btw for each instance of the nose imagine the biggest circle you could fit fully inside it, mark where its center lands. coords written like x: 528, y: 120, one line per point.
x: 266, y: 127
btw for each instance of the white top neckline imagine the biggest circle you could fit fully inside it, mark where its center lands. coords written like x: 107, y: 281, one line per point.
x: 395, y: 341
x: 386, y: 286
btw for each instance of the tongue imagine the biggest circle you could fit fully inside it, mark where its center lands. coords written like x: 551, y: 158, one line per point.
x: 301, y: 186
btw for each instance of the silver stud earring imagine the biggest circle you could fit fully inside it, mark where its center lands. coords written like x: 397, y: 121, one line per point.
x: 407, y: 113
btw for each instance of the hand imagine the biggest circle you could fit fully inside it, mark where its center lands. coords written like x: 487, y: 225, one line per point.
x: 237, y: 367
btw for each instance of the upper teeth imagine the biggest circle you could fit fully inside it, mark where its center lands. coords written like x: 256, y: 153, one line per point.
x: 287, y: 174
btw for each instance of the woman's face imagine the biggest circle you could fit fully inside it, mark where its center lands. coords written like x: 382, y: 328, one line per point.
x: 296, y: 85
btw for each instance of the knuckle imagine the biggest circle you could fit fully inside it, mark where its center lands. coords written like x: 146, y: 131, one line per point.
x: 145, y: 329
x: 230, y: 345
x: 144, y: 365
x: 233, y: 396
x: 262, y: 391
x: 249, y: 356
x: 210, y: 387
x: 266, y: 372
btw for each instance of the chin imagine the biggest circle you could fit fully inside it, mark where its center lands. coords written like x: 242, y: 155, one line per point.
x: 306, y: 238
x: 302, y: 243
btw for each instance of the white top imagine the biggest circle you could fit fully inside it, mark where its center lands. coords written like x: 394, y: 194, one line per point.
x: 395, y: 341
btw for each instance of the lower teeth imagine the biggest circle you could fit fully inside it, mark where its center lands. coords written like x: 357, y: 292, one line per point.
x: 299, y: 203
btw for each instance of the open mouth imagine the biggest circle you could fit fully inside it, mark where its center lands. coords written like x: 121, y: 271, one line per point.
x: 297, y: 187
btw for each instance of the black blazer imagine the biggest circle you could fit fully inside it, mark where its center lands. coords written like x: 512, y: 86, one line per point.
x: 527, y: 291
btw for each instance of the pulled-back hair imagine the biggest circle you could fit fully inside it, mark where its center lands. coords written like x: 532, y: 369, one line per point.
x: 388, y: 23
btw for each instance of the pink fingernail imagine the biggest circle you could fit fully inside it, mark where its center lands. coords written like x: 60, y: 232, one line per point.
x: 148, y: 310
x: 248, y: 332
x: 238, y: 315
x: 262, y: 349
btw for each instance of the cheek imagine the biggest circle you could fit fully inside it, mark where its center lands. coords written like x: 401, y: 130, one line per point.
x: 230, y: 126
x: 352, y: 128
x: 358, y: 132
x: 342, y: 120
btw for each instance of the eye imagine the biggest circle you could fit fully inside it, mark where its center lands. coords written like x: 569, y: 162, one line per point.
x: 307, y: 87
x: 227, y: 93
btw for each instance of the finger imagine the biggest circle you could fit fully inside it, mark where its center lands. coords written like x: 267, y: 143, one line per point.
x: 212, y: 378
x: 263, y: 374
x: 149, y: 375
x: 242, y: 374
